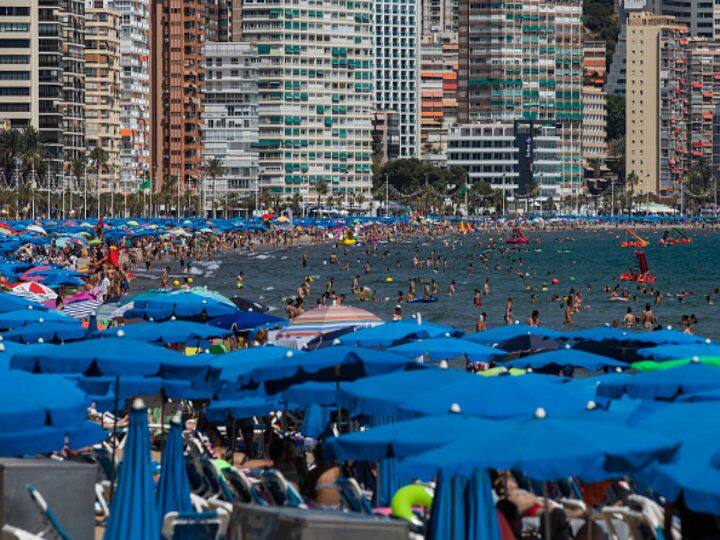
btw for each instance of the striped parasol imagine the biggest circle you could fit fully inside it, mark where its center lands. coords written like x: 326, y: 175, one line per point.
x: 37, y: 292
x: 325, y: 319
x: 82, y: 305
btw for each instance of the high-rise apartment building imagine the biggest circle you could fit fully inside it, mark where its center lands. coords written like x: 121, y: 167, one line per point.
x: 703, y: 80
x: 656, y: 131
x: 177, y: 72
x: 523, y: 61
x: 50, y: 74
x: 594, y: 126
x: 439, y: 16
x: 134, y: 92
x: 102, y: 87
x: 438, y: 93
x: 218, y: 20
x: 231, y: 120
x: 397, y: 76
x: 315, y: 86
x: 72, y: 19
x: 19, y: 80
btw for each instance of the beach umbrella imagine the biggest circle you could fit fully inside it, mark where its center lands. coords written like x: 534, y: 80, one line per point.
x: 165, y: 332
x: 312, y: 392
x: 663, y: 384
x: 556, y: 360
x: 183, y: 305
x: 528, y: 343
x: 220, y: 410
x: 502, y: 333
x: 48, y: 331
x: 207, y: 293
x: 110, y: 357
x: 402, y: 439
x: 446, y: 348
x: 83, y: 308
x: 324, y: 319
x: 38, y: 413
x: 328, y: 364
x: 244, y: 320
x: 15, y: 319
x: 173, y: 493
x: 237, y: 365
x: 547, y: 448
x: 34, y: 291
x: 652, y: 365
x: 672, y: 352
x: 10, y: 302
x: 395, y: 333
x: 245, y: 304
x: 600, y: 333
x: 133, y: 510
x: 665, y: 337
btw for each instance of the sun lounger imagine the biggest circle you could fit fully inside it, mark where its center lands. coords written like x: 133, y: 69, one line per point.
x: 282, y: 492
x: 13, y: 533
x: 51, y: 519
x: 195, y: 526
x: 243, y: 487
x: 352, y: 496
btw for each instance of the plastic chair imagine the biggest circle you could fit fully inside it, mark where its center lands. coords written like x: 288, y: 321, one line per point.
x: 352, y: 496
x: 243, y: 487
x: 52, y: 522
x: 195, y: 526
x: 282, y: 492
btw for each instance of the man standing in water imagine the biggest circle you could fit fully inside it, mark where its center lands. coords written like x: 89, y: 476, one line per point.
x: 509, y: 319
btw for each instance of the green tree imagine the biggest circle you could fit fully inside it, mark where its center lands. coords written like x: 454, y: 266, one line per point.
x: 615, y: 116
x: 321, y: 189
x: 212, y: 169
x: 99, y: 158
x: 700, y: 183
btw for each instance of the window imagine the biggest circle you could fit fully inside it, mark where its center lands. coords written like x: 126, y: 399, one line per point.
x: 14, y: 107
x: 14, y: 11
x: 14, y: 59
x: 15, y: 43
x: 14, y: 75
x: 14, y: 91
x: 14, y: 27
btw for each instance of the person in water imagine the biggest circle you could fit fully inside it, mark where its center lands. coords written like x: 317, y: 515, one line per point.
x: 534, y: 319
x: 629, y: 319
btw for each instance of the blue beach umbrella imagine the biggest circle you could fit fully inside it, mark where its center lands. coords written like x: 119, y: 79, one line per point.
x: 134, y: 511
x: 219, y: 410
x: 673, y: 352
x: 236, y: 366
x: 549, y: 448
x: 182, y: 306
x: 12, y: 302
x: 244, y: 320
x: 173, y: 493
x: 557, y: 359
x: 328, y: 364
x: 395, y: 333
x: 165, y: 332
x: 38, y: 412
x: 14, y: 319
x: 47, y: 332
x: 448, y: 348
x: 600, y: 333
x: 498, y: 397
x: 664, y: 383
x: 312, y: 392
x: 503, y: 333
x: 666, y: 337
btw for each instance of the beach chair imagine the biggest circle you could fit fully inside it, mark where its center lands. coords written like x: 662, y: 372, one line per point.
x: 623, y: 522
x: 210, y: 525
x: 13, y: 533
x: 52, y: 524
x: 243, y: 487
x: 352, y: 496
x: 282, y: 492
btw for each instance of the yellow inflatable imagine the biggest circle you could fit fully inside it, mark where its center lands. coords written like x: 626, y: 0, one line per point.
x: 389, y: 279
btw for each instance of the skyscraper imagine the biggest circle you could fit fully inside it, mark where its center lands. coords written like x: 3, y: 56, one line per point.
x: 19, y: 81
x: 231, y: 120
x: 523, y: 61
x: 102, y: 91
x: 50, y: 73
x: 177, y: 72
x: 218, y: 20
x: 656, y: 131
x: 397, y: 77
x: 72, y: 19
x: 134, y: 93
x: 315, y: 94
x: 594, y: 126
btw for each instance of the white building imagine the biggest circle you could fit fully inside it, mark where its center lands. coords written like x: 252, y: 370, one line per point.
x: 397, y: 77
x: 231, y: 121
x: 516, y: 157
x: 134, y: 93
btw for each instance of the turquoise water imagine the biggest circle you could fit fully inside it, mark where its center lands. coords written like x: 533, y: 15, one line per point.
x: 577, y: 259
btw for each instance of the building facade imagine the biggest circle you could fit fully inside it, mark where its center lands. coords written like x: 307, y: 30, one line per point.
x: 656, y: 130
x: 439, y: 16
x: 386, y: 136
x: 19, y: 80
x: 231, y: 121
x: 315, y: 86
x: 50, y: 74
x: 594, y: 127
x: 397, y: 75
x: 438, y: 94
x: 523, y: 61
x: 72, y: 18
x: 703, y: 79
x: 218, y: 20
x: 519, y: 158
x: 102, y: 87
x: 134, y: 93
x: 176, y: 78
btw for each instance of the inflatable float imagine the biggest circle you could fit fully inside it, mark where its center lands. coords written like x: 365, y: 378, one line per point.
x: 517, y: 237
x: 424, y: 300
x: 644, y: 275
x: 407, y: 497
x: 638, y: 241
x: 668, y: 240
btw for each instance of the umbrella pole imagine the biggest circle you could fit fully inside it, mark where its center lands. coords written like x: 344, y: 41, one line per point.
x: 162, y: 415
x: 546, y: 510
x: 232, y: 435
x: 113, y: 467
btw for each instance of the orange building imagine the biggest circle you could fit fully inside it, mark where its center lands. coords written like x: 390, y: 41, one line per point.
x: 438, y: 89
x: 176, y: 78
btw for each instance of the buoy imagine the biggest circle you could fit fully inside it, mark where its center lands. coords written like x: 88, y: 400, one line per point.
x: 189, y: 280
x: 176, y: 283
x: 389, y: 279
x: 554, y: 281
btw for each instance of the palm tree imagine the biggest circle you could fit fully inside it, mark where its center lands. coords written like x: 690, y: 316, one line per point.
x: 321, y: 189
x: 631, y: 181
x: 99, y: 158
x: 213, y: 168
x: 78, y: 168
x: 10, y: 148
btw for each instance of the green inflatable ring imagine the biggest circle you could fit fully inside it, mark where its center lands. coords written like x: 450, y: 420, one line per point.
x: 408, y: 496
